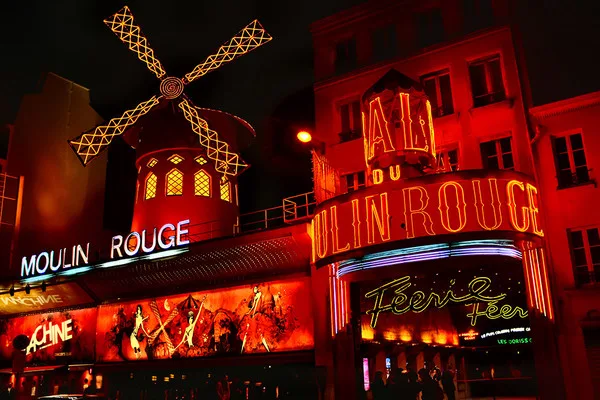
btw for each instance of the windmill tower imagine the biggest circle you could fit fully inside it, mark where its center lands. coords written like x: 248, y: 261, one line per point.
x: 187, y: 157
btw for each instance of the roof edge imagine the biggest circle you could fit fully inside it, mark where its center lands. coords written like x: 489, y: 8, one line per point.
x: 567, y: 105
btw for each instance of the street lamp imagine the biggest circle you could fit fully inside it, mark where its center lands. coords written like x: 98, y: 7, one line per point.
x: 304, y: 136
x: 307, y: 137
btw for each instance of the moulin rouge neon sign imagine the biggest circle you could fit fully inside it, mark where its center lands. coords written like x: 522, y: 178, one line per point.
x: 504, y: 201
x: 400, y: 302
x: 132, y: 245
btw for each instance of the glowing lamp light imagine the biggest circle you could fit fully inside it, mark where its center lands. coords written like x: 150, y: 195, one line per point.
x: 304, y: 136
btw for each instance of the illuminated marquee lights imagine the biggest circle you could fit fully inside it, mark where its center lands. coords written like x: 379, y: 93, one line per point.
x: 537, y: 281
x: 89, y: 144
x: 401, y: 303
x: 399, y: 212
x: 437, y: 251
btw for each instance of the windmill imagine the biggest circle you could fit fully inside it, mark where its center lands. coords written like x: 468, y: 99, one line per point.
x: 91, y: 143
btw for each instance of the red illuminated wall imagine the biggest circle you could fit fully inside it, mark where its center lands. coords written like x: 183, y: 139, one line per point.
x: 578, y: 211
x: 223, y: 321
x: 81, y: 326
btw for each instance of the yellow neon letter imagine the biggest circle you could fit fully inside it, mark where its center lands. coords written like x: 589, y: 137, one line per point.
x: 461, y: 206
x: 335, y: 233
x: 409, y: 211
x: 512, y: 206
x: 380, y: 216
x: 377, y: 176
x: 534, y: 210
x: 320, y: 235
x: 356, y: 224
x: 479, y: 208
x: 378, y: 132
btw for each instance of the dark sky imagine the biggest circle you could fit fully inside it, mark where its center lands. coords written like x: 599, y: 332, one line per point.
x: 69, y: 38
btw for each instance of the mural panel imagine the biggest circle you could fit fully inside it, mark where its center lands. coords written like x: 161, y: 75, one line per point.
x: 52, y: 337
x: 267, y: 317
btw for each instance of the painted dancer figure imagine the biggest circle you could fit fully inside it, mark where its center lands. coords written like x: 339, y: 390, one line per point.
x: 188, y: 334
x: 258, y: 320
x: 139, y: 324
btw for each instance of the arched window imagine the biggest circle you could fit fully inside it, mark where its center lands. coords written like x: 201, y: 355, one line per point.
x: 174, y: 183
x: 225, y: 189
x: 150, y: 191
x: 202, y: 184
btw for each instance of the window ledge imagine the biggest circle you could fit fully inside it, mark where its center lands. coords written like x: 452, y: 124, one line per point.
x: 593, y: 286
x: 578, y: 185
x: 447, y: 117
x: 507, y: 103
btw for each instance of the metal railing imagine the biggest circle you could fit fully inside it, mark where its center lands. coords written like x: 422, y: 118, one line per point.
x: 293, y: 209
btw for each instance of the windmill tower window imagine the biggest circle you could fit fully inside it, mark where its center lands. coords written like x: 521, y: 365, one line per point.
x: 174, y: 183
x: 175, y: 159
x: 200, y: 160
x: 225, y: 190
x: 152, y: 162
x: 202, y: 184
x: 150, y: 191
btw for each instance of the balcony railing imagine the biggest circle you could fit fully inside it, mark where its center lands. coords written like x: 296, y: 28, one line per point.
x: 293, y: 209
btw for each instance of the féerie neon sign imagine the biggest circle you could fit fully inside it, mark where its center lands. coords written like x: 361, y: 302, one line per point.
x: 134, y: 244
x: 400, y: 303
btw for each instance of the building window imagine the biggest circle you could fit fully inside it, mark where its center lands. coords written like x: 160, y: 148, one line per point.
x: 150, y: 191
x: 478, y: 14
x: 430, y: 27
x: 350, y: 121
x: 225, y: 189
x: 437, y: 87
x: 151, y: 163
x: 447, y: 160
x: 200, y: 160
x: 345, y: 56
x: 486, y: 81
x: 585, y: 255
x: 354, y: 181
x: 175, y: 159
x: 570, y: 161
x: 497, y: 154
x: 385, y: 43
x: 174, y: 183
x: 202, y: 184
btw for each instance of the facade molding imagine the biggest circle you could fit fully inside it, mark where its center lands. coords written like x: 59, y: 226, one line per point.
x: 566, y: 106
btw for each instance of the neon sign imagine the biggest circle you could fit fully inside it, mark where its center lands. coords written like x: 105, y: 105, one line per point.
x: 134, y: 244
x: 392, y: 211
x: 398, y: 125
x: 400, y: 303
x: 51, y: 334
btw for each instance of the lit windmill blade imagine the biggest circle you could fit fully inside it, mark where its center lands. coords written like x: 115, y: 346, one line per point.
x: 121, y: 23
x: 89, y: 144
x: 226, y: 162
x: 246, y: 40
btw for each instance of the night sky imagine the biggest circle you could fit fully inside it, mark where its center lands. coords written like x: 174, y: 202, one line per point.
x: 268, y: 86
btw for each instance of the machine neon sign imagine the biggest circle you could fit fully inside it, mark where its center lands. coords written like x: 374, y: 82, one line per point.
x: 135, y: 245
x: 51, y: 334
x: 400, y: 303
